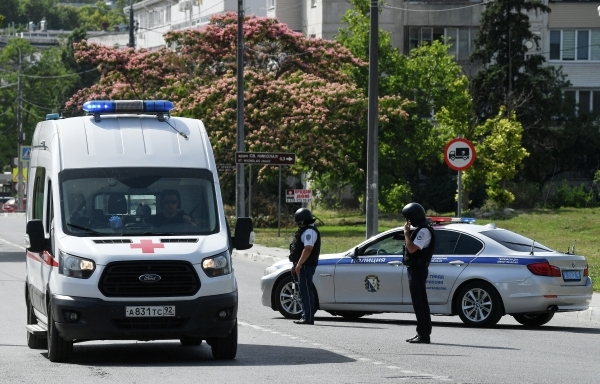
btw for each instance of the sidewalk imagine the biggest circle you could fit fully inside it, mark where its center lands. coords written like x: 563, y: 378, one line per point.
x: 270, y: 255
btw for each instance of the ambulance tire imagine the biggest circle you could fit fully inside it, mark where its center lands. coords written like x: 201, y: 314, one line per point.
x: 189, y: 341
x: 225, y: 348
x: 534, y: 319
x: 59, y: 349
x: 33, y: 341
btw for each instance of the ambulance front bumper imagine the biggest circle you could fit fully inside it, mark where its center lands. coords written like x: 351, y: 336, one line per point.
x: 98, y: 319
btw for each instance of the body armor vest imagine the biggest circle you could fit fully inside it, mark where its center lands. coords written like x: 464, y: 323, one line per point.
x: 297, y: 246
x: 421, y: 257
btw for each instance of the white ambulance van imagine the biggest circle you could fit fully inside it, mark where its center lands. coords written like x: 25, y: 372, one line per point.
x: 126, y: 234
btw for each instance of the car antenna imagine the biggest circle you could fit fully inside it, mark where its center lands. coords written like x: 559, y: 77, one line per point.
x: 573, y: 247
x: 532, y: 244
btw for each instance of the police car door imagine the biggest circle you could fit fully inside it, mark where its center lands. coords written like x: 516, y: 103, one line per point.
x: 453, y: 252
x: 371, y: 274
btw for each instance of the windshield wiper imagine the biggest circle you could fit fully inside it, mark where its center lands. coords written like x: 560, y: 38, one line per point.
x: 148, y: 233
x: 90, y: 230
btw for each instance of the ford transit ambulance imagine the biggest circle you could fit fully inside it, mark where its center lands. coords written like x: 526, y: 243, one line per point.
x: 126, y: 234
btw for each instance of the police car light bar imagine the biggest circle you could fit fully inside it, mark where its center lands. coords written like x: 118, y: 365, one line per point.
x: 452, y: 220
x: 103, y: 107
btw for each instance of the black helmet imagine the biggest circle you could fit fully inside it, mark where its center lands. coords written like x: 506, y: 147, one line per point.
x: 303, y: 216
x: 415, y: 213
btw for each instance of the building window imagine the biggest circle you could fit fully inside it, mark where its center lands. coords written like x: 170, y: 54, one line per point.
x: 585, y: 100
x: 271, y: 4
x: 313, y: 3
x: 571, y: 45
x: 460, y: 40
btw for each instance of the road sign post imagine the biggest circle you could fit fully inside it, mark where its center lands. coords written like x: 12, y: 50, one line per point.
x: 459, y: 155
x: 268, y: 158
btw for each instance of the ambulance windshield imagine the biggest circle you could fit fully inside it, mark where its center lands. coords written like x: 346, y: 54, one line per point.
x: 138, y: 202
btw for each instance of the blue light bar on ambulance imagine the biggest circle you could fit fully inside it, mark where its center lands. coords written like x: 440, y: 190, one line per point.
x: 103, y: 107
x: 452, y: 220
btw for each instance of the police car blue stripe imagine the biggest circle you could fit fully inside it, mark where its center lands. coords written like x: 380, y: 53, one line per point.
x: 437, y: 260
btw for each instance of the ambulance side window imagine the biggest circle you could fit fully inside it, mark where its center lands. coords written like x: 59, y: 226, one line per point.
x: 49, y: 207
x: 38, y: 194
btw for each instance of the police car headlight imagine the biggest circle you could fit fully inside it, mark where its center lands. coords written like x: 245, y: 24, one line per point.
x: 73, y: 266
x: 271, y: 269
x: 217, y: 265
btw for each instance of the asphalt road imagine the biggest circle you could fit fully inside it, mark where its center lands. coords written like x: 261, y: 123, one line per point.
x: 273, y: 349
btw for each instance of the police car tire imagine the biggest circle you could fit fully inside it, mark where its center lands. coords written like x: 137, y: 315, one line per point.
x: 492, y: 304
x: 189, y: 341
x: 225, y: 348
x: 33, y: 341
x: 285, y: 286
x: 534, y: 319
x: 59, y: 349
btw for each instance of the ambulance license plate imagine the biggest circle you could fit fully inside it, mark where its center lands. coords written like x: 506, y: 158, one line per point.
x: 166, y: 310
x: 571, y: 275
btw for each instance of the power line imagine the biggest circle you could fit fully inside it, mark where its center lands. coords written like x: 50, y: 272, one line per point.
x: 435, y: 10
x: 60, y: 76
x: 38, y: 106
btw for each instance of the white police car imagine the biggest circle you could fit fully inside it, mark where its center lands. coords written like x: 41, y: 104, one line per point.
x: 478, y: 272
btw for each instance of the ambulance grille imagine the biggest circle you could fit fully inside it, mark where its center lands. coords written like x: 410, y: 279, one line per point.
x: 122, y: 279
x: 113, y: 241
x: 178, y: 240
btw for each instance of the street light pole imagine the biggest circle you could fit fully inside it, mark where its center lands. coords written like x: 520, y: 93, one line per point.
x: 20, y: 186
x: 240, y: 198
x: 131, y: 38
x: 372, y: 134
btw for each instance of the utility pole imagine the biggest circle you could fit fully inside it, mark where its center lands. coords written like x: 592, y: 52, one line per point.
x: 240, y: 198
x: 131, y: 37
x: 372, y: 134
x: 20, y: 189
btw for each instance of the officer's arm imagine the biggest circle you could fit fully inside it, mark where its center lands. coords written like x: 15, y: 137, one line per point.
x: 410, y: 246
x: 305, y: 253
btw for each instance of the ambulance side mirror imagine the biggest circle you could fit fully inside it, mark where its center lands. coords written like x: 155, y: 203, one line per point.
x: 244, y: 234
x: 36, y: 235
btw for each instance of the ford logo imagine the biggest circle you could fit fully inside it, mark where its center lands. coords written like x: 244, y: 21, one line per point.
x: 150, y: 278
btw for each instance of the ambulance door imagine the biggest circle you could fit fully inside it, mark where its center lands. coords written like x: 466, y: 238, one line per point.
x: 34, y: 259
x: 49, y: 259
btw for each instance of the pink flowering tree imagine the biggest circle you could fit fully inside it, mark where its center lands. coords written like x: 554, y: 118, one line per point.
x: 298, y: 96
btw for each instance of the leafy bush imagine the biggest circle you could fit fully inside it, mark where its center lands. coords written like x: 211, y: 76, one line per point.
x: 567, y: 196
x: 527, y: 195
x: 395, y: 198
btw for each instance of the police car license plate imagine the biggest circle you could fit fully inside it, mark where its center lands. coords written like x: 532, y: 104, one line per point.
x: 166, y: 310
x: 571, y: 275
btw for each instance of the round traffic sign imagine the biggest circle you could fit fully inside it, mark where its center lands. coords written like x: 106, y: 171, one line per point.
x: 459, y: 154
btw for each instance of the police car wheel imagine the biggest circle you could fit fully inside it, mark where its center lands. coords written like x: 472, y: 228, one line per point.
x: 479, y: 305
x: 225, y: 348
x: 33, y: 341
x: 59, y: 349
x: 534, y: 319
x: 189, y: 341
x: 287, y: 298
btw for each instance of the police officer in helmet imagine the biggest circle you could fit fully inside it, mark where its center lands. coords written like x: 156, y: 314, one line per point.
x: 304, y: 253
x: 418, y: 251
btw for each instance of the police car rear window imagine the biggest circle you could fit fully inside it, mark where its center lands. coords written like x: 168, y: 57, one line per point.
x: 514, y: 241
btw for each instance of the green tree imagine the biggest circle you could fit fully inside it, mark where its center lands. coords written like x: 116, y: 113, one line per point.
x: 45, y: 86
x: 432, y: 80
x: 513, y: 77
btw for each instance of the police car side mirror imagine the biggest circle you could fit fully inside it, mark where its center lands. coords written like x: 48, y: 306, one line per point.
x: 36, y: 235
x: 354, y: 253
x: 244, y: 234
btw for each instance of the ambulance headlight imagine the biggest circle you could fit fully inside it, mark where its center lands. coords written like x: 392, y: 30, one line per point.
x: 217, y: 265
x: 73, y: 266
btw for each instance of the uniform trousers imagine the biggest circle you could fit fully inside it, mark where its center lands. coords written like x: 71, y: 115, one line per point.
x: 307, y: 293
x: 417, y: 278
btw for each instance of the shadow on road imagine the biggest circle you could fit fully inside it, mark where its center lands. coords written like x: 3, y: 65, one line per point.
x: 174, y: 354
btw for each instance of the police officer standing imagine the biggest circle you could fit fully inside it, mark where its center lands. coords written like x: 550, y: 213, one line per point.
x: 304, y: 253
x: 419, y: 249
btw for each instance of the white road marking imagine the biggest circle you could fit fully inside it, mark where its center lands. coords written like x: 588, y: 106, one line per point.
x: 352, y: 355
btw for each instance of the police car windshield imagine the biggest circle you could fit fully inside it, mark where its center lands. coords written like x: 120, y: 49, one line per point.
x: 514, y: 241
x: 138, y: 202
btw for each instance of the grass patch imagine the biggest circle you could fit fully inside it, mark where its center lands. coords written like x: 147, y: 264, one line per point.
x: 557, y: 229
